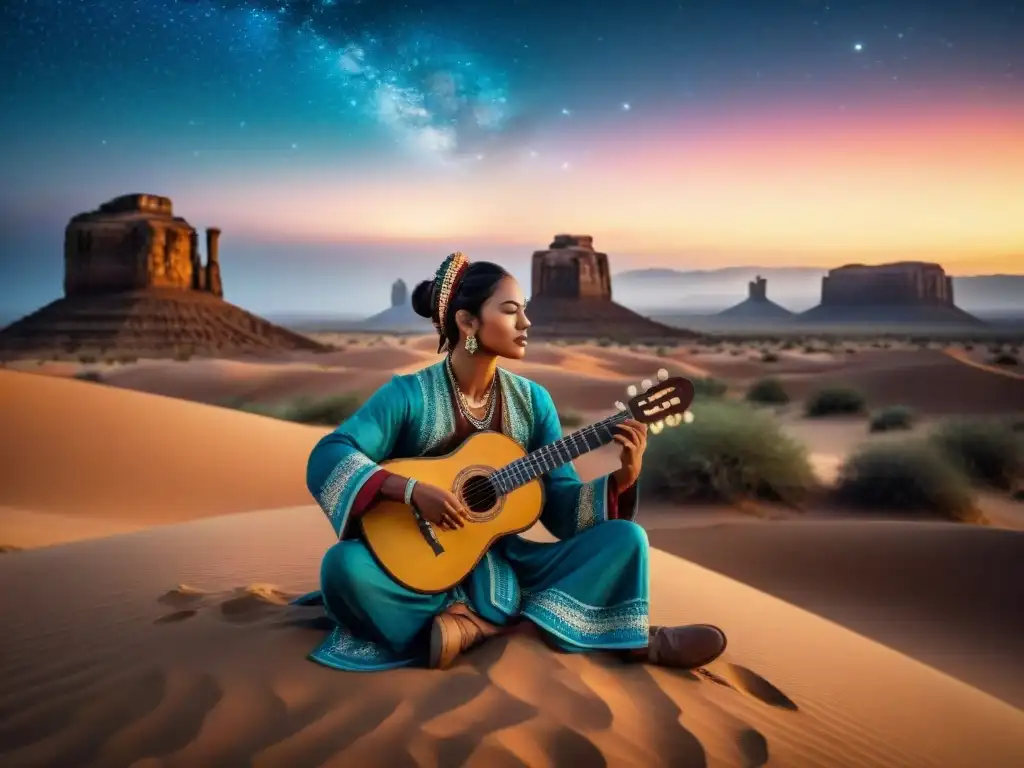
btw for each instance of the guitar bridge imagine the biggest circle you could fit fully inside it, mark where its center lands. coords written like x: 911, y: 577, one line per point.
x: 427, y: 531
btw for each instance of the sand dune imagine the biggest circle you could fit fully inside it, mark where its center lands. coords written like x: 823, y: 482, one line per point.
x: 938, y: 591
x: 75, y: 448
x: 927, y: 380
x: 175, y: 646
x: 185, y: 655
x: 219, y: 381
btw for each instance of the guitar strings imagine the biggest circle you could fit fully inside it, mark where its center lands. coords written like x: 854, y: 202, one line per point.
x: 484, y: 494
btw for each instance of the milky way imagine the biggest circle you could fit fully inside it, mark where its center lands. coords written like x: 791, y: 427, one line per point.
x: 438, y: 98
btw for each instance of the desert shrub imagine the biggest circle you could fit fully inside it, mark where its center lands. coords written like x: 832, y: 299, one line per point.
x: 728, y: 453
x: 661, y: 351
x: 604, y: 342
x: 87, y: 359
x: 1005, y: 358
x: 769, y: 357
x: 911, y: 476
x: 768, y: 391
x: 709, y: 387
x: 325, y: 411
x: 570, y: 419
x: 93, y: 376
x: 892, y: 417
x: 329, y: 411
x: 834, y: 401
x: 989, y: 452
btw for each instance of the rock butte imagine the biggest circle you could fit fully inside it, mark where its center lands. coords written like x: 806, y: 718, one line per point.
x: 399, y: 317
x: 902, y: 292
x: 757, y: 307
x: 134, y: 286
x: 572, y: 297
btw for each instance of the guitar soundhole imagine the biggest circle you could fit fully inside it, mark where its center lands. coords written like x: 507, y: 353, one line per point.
x: 479, y: 495
x: 473, y: 485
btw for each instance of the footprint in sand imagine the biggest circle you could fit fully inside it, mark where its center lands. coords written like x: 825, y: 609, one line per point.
x: 242, y: 605
x: 753, y: 747
x: 739, y: 678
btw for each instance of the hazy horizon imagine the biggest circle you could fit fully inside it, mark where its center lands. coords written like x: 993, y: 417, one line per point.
x: 299, y: 278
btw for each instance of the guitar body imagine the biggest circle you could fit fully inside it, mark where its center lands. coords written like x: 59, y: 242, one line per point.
x: 392, y: 534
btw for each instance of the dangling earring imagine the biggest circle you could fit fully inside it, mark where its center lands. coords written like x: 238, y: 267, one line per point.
x: 471, y: 345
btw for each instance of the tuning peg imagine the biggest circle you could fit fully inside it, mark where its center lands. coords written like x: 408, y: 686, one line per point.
x: 657, y: 426
x: 688, y: 417
x: 662, y: 374
x: 646, y: 384
x: 631, y: 390
x: 620, y: 405
x: 673, y: 420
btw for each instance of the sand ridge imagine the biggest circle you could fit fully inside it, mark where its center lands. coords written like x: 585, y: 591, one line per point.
x: 175, y: 646
x: 212, y: 670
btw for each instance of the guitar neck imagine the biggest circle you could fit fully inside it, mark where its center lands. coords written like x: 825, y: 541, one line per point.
x: 557, y: 454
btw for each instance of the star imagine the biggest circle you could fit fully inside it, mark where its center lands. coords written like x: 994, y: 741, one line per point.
x: 565, y: 111
x: 858, y: 46
x: 626, y: 106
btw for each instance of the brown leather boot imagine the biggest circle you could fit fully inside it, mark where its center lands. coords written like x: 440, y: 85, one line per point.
x: 454, y: 632
x: 687, y: 647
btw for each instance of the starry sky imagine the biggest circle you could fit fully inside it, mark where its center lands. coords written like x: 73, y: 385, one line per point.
x: 356, y: 141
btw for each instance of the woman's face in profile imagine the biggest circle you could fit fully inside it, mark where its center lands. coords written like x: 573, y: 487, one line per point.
x: 503, y: 320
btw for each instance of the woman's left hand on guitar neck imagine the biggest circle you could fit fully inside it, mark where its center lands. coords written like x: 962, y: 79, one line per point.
x: 632, y: 436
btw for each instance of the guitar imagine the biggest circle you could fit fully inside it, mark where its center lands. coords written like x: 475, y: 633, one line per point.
x: 498, y: 482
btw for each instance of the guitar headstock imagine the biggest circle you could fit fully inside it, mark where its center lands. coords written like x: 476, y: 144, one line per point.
x: 660, y: 404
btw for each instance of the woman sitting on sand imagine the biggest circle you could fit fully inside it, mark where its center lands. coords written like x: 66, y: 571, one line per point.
x: 586, y: 592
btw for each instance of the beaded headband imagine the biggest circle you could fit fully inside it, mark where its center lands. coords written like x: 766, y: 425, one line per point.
x: 446, y: 283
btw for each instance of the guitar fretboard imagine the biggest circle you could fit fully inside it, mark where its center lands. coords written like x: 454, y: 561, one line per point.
x: 557, y: 454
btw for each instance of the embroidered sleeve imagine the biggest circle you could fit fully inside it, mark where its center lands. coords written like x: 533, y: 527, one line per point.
x: 344, y: 461
x: 571, y: 506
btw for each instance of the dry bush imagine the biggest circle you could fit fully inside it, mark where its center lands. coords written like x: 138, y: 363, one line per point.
x: 988, y: 452
x: 767, y: 391
x: 709, y: 387
x: 730, y: 452
x: 324, y: 411
x: 834, y: 401
x: 911, y: 476
x: 892, y: 417
x: 1005, y: 358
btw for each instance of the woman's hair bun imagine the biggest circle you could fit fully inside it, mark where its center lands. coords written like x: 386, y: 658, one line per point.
x: 422, y: 299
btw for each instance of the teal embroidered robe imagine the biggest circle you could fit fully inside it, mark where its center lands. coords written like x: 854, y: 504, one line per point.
x: 587, y: 591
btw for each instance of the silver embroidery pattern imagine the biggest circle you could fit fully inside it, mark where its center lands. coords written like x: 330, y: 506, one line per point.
x: 505, y: 594
x: 343, y: 650
x: 586, y: 514
x: 517, y: 411
x: 438, y: 421
x: 622, y: 625
x: 337, y: 486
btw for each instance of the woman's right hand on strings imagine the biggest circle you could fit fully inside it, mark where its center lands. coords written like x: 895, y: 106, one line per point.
x: 438, y: 506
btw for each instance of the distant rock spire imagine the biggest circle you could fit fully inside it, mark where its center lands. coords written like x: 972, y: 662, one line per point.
x: 399, y: 293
